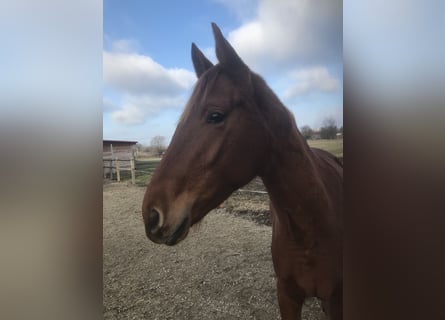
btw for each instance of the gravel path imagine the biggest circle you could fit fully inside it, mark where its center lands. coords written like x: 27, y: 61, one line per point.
x: 222, y: 270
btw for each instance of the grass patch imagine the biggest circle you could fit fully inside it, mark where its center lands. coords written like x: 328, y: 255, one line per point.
x: 334, y: 146
x: 144, y: 170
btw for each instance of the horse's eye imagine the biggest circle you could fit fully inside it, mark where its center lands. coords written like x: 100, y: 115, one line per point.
x: 215, y: 117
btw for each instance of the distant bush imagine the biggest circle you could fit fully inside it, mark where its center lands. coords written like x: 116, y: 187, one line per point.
x: 307, y: 132
x: 158, y: 145
x: 329, y: 129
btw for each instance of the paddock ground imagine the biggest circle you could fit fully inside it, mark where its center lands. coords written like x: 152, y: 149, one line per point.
x: 222, y: 270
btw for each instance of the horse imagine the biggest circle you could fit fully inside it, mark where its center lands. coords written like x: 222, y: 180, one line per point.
x: 233, y: 129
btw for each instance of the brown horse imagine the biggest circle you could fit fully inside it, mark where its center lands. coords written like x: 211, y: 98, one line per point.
x: 233, y: 129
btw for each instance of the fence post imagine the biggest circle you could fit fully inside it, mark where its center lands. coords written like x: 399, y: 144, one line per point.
x: 133, y: 178
x: 118, y: 172
x: 111, y: 169
x: 111, y: 162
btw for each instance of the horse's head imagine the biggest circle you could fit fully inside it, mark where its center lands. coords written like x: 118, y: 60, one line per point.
x: 218, y: 146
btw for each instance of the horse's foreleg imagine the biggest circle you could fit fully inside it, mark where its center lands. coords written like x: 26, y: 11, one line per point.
x: 290, y: 300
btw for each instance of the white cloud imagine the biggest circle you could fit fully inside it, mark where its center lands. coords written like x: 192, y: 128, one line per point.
x: 136, y: 109
x: 145, y: 86
x: 290, y: 31
x: 138, y: 74
x: 129, y: 115
x: 309, y: 80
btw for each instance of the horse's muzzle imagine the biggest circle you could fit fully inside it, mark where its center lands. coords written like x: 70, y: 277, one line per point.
x: 161, y: 234
x: 152, y: 223
x: 180, y: 233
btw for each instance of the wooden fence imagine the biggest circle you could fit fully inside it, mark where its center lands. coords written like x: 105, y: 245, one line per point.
x: 120, y: 166
x: 117, y: 160
x: 115, y: 166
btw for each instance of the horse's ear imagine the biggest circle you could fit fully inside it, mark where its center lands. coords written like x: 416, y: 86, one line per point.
x: 227, y: 56
x: 200, y: 62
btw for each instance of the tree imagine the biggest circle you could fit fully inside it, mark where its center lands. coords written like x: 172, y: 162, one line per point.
x: 157, y: 145
x: 328, y: 129
x: 307, y: 132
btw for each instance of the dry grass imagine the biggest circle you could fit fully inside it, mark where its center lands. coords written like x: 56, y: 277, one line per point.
x: 222, y: 270
x: 334, y: 146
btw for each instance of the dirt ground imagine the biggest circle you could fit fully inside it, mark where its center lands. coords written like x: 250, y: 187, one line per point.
x: 222, y: 270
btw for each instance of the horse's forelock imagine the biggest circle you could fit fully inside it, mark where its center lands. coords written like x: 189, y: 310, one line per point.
x: 202, y: 88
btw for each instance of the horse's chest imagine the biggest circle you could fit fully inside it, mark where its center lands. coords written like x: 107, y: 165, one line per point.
x: 312, y: 272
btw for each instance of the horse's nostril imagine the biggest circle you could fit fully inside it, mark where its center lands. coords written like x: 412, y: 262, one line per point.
x: 153, y: 221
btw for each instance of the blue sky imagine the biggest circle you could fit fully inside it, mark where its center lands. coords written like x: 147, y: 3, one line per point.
x: 296, y: 45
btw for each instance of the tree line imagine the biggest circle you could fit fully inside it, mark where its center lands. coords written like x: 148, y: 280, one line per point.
x: 157, y: 146
x: 328, y: 130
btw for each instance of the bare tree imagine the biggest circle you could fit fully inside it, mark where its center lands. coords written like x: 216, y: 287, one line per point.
x: 328, y: 129
x: 307, y: 132
x: 157, y: 144
x: 139, y: 146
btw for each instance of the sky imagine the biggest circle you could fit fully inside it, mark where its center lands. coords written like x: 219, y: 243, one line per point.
x: 295, y: 45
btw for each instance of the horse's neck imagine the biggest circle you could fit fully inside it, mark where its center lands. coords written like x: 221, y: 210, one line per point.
x: 295, y: 186
x: 291, y: 174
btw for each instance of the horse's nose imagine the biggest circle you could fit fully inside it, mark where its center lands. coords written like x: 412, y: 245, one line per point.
x: 153, y: 222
